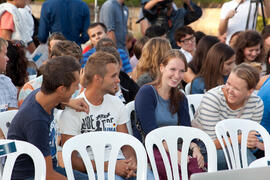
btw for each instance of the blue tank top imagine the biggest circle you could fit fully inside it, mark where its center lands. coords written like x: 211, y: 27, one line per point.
x: 162, y: 112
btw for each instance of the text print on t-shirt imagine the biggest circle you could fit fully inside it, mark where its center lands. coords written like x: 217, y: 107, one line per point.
x: 101, y: 122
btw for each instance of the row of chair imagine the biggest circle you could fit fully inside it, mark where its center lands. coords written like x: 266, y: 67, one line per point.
x: 98, y: 140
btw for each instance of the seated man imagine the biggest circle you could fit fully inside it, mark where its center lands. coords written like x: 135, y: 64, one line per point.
x: 186, y: 40
x: 97, y: 31
x: 8, y: 92
x: 107, y: 113
x: 33, y: 121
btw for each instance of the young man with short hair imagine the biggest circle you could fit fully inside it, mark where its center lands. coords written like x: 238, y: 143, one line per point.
x: 186, y: 40
x: 107, y: 112
x: 96, y: 32
x: 33, y: 121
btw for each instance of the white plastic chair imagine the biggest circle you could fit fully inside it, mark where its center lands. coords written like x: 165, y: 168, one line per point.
x: 188, y: 88
x: 97, y: 141
x: 14, y: 148
x: 171, y: 134
x: 194, y: 101
x: 130, y: 107
x: 5, y: 120
x: 262, y: 162
x: 232, y: 127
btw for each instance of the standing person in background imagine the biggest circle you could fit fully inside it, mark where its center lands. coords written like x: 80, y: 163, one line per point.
x: 114, y: 14
x: 162, y: 13
x: 12, y: 24
x: 235, y: 17
x: 70, y: 17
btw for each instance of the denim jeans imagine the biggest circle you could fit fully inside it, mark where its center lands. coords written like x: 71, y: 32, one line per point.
x: 222, y: 164
x: 77, y: 174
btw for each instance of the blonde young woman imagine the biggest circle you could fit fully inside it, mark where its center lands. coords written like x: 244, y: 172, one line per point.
x: 235, y: 99
x: 162, y: 104
x: 147, y: 68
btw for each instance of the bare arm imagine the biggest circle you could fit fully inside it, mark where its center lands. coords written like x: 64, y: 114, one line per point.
x: 144, y: 24
x: 111, y: 35
x: 129, y: 153
x: 149, y: 5
x: 6, y: 34
x: 77, y: 162
x: 31, y: 47
x: 50, y: 172
x: 267, y: 8
x: 223, y: 24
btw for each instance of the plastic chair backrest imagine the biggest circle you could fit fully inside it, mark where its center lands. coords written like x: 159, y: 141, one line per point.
x: 130, y: 107
x: 262, y: 162
x: 5, y: 119
x: 171, y: 134
x: 188, y: 88
x: 232, y: 127
x: 194, y: 101
x: 13, y: 149
x: 97, y: 141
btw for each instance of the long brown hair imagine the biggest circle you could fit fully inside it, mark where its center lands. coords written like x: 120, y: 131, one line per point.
x: 150, y: 59
x: 175, y: 94
x: 212, y: 67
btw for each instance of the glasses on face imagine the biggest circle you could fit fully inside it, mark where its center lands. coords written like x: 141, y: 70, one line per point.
x: 187, y: 40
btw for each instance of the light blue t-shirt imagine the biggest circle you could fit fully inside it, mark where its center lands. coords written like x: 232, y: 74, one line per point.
x: 162, y: 112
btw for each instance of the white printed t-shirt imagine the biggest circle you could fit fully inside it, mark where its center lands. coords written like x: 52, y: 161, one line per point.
x: 104, y: 117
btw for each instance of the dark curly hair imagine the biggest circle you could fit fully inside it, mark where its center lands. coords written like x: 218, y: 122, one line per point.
x: 245, y: 40
x: 17, y: 64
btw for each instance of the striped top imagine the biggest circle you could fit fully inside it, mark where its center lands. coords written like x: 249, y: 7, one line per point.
x: 213, y: 108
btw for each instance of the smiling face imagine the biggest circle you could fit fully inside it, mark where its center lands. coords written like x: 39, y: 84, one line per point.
x: 251, y: 53
x: 188, y: 43
x: 173, y: 72
x: 111, y: 79
x: 236, y: 91
x: 228, y: 66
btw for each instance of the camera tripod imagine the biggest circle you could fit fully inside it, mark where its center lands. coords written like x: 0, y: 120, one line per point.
x: 256, y: 2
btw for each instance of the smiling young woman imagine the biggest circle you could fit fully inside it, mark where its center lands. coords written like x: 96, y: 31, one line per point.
x: 161, y: 103
x: 235, y: 99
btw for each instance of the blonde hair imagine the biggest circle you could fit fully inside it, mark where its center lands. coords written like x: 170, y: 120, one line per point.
x: 151, y: 57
